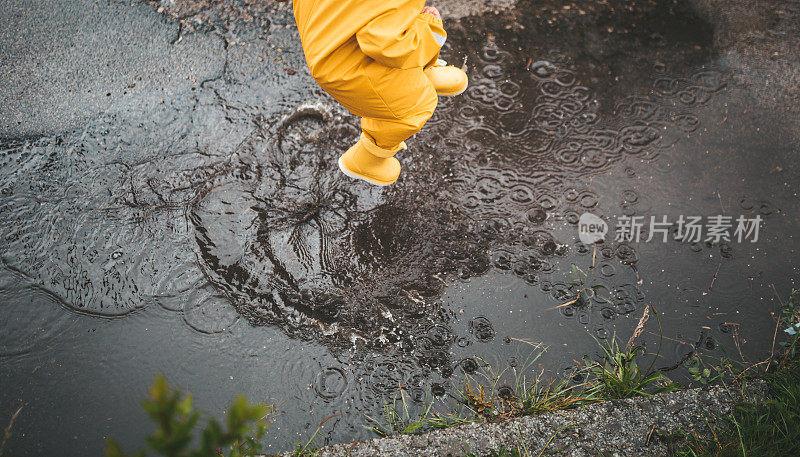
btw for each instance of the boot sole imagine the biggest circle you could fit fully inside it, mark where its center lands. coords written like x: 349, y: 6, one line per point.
x: 350, y: 174
x: 453, y: 94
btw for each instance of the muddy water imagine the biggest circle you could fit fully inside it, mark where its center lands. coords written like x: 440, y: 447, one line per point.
x: 212, y: 238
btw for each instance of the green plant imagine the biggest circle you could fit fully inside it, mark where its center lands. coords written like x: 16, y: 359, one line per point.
x: 770, y: 428
x: 582, y: 293
x: 495, y: 396
x: 618, y: 375
x: 402, y: 419
x: 790, y: 319
x: 540, y: 396
x: 176, y: 420
x: 310, y: 449
x: 700, y: 372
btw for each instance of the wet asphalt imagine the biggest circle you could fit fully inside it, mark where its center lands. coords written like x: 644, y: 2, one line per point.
x: 64, y: 63
x: 170, y: 204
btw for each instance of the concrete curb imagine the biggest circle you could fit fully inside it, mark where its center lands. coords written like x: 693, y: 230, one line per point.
x: 632, y: 427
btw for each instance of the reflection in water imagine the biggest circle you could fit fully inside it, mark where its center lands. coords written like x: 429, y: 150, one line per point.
x: 32, y: 317
x: 273, y: 229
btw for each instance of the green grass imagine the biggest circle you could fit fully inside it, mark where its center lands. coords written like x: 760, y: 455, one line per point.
x: 620, y: 375
x: 402, y: 418
x: 494, y: 394
x: 768, y: 429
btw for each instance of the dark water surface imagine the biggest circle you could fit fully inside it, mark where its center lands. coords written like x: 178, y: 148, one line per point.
x: 210, y: 237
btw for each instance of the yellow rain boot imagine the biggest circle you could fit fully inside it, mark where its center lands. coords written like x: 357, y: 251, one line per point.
x: 447, y: 79
x: 367, y: 161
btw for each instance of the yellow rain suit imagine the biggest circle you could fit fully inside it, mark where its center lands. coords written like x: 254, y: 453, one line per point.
x: 369, y: 55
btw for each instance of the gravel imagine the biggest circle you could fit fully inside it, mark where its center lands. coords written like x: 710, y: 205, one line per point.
x: 632, y: 427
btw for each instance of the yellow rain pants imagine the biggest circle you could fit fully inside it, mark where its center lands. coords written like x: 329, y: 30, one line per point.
x: 369, y: 56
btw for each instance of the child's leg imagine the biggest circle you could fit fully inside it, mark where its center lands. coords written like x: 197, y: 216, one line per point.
x: 408, y: 100
x: 396, y: 106
x: 388, y: 133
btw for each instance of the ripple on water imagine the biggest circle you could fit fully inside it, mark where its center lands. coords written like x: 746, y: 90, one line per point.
x: 32, y: 319
x: 208, y: 310
x: 269, y: 230
x: 481, y: 327
x: 330, y: 383
x: 248, y: 223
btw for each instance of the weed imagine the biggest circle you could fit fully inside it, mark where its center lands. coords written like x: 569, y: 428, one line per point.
x: 543, y: 396
x: 496, y: 397
x: 402, y: 419
x: 526, y: 397
x: 770, y: 428
x: 310, y: 449
x: 582, y: 293
x: 790, y: 318
x: 176, y: 420
x: 702, y: 373
x: 618, y: 375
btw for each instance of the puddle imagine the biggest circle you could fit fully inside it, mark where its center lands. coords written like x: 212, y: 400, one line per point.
x: 215, y: 238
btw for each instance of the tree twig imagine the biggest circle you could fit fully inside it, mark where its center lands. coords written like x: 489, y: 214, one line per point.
x: 639, y: 326
x: 7, y: 434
